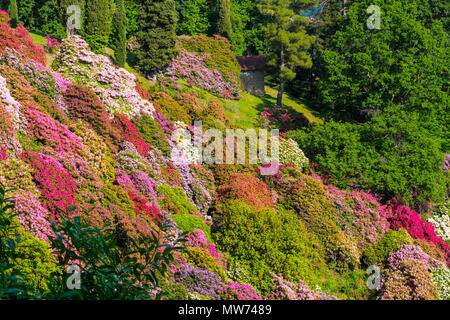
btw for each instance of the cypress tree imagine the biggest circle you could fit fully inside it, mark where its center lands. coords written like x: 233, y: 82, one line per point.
x: 121, y: 42
x: 157, y: 22
x: 224, y: 27
x: 97, y: 23
x: 13, y: 13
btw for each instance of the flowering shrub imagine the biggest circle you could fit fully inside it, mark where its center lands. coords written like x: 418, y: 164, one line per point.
x: 191, y: 103
x: 171, y: 108
x: 441, y: 223
x: 15, y: 173
x: 56, y: 185
x: 389, y: 243
x: 201, y: 258
x: 115, y: 86
x: 129, y: 132
x: 289, y: 152
x: 28, y: 96
x: 3, y: 153
x: 133, y: 44
x: 192, y: 67
x: 189, y: 222
x: 8, y: 138
x: 152, y: 133
x: 360, y: 215
x: 173, y: 200
x: 19, y: 39
x: 410, y: 220
x: 12, y: 117
x: 216, y: 109
x: 83, y: 103
x: 237, y: 291
x: 288, y: 290
x: 441, y: 277
x: 411, y: 281
x: 248, y: 188
x: 203, y: 282
x: 197, y: 239
x: 142, y: 208
x: 287, y: 247
x: 408, y: 276
x: 33, y: 216
x: 52, y: 44
x: 219, y: 54
x: 39, y: 76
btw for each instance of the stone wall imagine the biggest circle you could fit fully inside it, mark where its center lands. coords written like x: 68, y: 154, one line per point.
x: 253, y: 82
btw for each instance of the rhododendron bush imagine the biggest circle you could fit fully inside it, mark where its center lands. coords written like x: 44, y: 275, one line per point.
x: 192, y: 68
x: 19, y: 39
x: 115, y: 86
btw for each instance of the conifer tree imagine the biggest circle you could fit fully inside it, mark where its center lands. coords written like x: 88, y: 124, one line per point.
x: 224, y: 27
x: 97, y: 23
x: 286, y: 38
x: 13, y: 13
x: 157, y: 23
x: 120, y: 19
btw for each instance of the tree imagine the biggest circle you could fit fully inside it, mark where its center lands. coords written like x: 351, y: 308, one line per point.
x: 14, y: 13
x: 121, y: 41
x: 404, y: 63
x: 193, y: 16
x: 157, y: 22
x: 287, y: 39
x: 97, y: 25
x: 224, y: 24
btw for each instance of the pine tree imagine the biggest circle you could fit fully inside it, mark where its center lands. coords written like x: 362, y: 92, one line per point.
x: 121, y: 41
x: 286, y: 38
x: 97, y: 24
x: 224, y: 27
x: 13, y: 13
x: 157, y: 23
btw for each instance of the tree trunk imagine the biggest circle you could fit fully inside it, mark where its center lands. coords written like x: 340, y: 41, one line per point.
x: 281, y: 88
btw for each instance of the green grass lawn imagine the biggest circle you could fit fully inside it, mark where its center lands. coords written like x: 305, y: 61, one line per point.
x: 245, y: 112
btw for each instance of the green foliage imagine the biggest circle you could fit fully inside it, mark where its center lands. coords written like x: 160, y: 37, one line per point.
x: 188, y: 223
x: 201, y: 258
x: 342, y: 253
x: 120, y: 21
x: 224, y: 27
x: 117, y: 196
x: 13, y: 13
x: 389, y: 243
x: 171, y: 108
x: 193, y: 16
x: 12, y: 283
x: 404, y: 63
x: 152, y: 133
x: 34, y: 260
x: 97, y: 23
x: 392, y: 155
x: 286, y: 247
x: 247, y: 25
x: 157, y: 22
x: 175, y: 200
x: 106, y: 270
